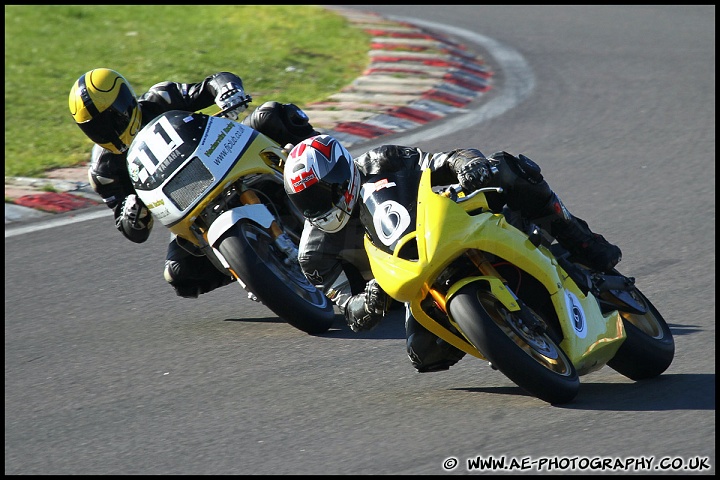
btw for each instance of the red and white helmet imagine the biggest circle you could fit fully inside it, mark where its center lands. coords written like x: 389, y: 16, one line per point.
x: 323, y: 182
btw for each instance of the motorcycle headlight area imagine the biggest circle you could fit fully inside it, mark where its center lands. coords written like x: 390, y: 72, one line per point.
x: 189, y: 184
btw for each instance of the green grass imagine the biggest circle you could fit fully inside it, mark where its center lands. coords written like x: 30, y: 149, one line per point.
x: 299, y: 54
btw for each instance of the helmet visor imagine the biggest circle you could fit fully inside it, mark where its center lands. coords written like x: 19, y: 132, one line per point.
x: 326, y: 195
x: 109, y: 125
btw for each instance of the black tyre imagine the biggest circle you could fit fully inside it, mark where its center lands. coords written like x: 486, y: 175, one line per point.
x: 530, y: 359
x: 251, y: 253
x: 649, y: 348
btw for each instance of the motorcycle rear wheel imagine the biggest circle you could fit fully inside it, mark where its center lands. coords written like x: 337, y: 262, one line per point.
x: 251, y: 253
x: 532, y: 360
x: 649, y: 348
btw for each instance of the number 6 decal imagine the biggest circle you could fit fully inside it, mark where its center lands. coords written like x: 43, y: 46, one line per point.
x: 390, y: 221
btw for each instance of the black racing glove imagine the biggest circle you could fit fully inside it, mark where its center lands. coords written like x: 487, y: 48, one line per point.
x: 472, y: 169
x: 365, y: 310
x: 233, y: 100
x: 133, y: 219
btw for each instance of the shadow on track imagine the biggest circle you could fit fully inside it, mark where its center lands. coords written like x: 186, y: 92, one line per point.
x: 665, y: 393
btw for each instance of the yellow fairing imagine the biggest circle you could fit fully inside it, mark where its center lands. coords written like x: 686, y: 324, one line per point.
x: 600, y: 342
x: 445, y: 231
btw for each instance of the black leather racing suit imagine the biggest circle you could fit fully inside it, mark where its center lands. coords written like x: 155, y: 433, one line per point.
x: 187, y: 272
x: 338, y: 265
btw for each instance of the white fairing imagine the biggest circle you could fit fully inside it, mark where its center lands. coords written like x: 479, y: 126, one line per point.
x: 259, y: 213
x: 159, y: 148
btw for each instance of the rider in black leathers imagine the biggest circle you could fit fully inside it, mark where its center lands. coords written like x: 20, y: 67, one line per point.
x: 323, y: 181
x: 105, y: 107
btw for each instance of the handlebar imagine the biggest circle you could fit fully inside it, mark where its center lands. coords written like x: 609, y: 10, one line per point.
x: 453, y: 191
x: 222, y: 113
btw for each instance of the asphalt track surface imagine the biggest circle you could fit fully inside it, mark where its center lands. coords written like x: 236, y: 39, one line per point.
x: 108, y: 372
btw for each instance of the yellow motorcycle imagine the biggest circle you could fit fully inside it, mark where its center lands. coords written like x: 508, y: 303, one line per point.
x: 503, y: 291
x: 217, y: 185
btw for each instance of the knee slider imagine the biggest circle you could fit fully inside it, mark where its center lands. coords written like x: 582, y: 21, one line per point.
x: 525, y: 168
x: 512, y: 167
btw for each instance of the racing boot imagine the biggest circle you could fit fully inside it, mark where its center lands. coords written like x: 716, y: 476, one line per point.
x: 574, y: 234
x: 428, y: 352
x: 189, y: 272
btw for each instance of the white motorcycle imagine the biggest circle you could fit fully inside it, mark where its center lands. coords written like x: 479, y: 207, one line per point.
x: 218, y: 184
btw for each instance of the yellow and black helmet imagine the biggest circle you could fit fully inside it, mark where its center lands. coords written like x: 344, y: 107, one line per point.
x: 104, y: 106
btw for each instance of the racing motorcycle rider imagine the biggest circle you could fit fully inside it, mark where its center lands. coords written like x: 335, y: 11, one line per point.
x: 104, y: 106
x: 323, y: 182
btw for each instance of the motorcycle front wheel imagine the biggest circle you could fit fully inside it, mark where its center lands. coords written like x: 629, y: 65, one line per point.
x: 252, y: 255
x: 531, y: 359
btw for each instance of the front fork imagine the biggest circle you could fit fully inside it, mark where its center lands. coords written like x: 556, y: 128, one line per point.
x: 482, y: 264
x: 282, y: 239
x: 497, y: 284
